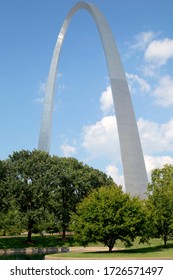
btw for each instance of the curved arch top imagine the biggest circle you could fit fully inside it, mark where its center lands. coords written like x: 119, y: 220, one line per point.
x: 131, y: 151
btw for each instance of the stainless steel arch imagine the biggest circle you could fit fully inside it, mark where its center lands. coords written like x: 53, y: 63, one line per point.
x: 131, y: 151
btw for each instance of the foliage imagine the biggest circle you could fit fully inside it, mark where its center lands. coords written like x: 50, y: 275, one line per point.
x: 44, y: 189
x: 160, y: 203
x: 10, y: 222
x: 108, y: 215
x: 72, y: 182
x: 4, y: 203
x: 28, y: 176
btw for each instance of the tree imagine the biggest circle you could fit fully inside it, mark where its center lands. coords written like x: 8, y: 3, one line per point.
x: 73, y: 180
x: 43, y: 188
x: 6, y: 222
x: 10, y: 222
x: 29, y: 183
x: 106, y: 215
x: 4, y: 203
x: 160, y: 203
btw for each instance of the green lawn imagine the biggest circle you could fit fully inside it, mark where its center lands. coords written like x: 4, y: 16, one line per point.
x: 157, y: 253
x: 153, y: 250
x: 37, y: 242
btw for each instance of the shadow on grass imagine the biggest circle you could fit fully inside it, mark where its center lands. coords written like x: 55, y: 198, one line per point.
x: 149, y: 249
x: 37, y: 242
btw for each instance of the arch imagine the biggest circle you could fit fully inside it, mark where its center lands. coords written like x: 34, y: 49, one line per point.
x: 131, y: 151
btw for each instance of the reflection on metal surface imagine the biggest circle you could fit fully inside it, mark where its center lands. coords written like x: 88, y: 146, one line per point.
x: 131, y: 152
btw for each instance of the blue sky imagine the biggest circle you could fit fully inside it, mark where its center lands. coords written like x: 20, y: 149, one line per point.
x: 84, y: 123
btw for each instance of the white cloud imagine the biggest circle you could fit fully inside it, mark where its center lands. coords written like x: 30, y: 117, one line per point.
x: 113, y: 171
x: 106, y: 101
x: 41, y: 93
x: 42, y: 87
x: 101, y: 141
x: 159, y: 51
x: 42, y: 90
x: 101, y: 138
x: 143, y: 39
x: 153, y: 162
x: 136, y: 82
x: 150, y: 70
x: 67, y: 150
x: 164, y: 92
x: 156, y: 137
x: 39, y: 100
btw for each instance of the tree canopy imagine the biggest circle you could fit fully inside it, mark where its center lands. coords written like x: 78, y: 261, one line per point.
x: 43, y: 192
x: 44, y: 189
x: 3, y: 190
x: 107, y: 215
x: 73, y: 180
x: 160, y: 203
x: 28, y: 177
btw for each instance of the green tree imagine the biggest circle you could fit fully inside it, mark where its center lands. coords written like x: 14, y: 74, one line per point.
x: 72, y: 181
x: 45, y: 189
x: 5, y: 213
x: 10, y: 222
x: 106, y: 215
x: 160, y: 203
x: 4, y: 203
x: 29, y: 183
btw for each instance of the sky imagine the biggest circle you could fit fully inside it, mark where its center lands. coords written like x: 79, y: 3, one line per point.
x: 84, y: 120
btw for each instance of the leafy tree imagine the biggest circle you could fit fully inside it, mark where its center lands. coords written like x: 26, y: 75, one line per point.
x: 72, y: 182
x: 10, y: 222
x: 29, y: 183
x: 106, y: 215
x: 2, y: 170
x: 160, y: 203
x: 5, y: 214
x: 4, y: 203
x: 44, y: 189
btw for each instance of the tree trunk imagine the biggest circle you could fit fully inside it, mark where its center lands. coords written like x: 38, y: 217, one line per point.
x: 165, y: 240
x: 63, y: 232
x: 111, y: 243
x: 29, y: 235
x: 110, y: 249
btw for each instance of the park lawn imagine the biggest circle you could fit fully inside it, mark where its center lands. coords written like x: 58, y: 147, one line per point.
x: 16, y: 242
x: 38, y: 241
x: 154, y: 250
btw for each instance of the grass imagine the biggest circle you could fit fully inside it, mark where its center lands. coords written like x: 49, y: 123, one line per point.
x: 37, y: 242
x: 154, y: 250
x: 145, y: 253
